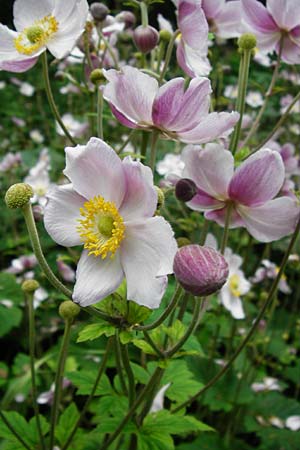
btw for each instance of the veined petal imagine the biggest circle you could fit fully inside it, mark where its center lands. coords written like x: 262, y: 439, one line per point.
x: 96, y: 278
x: 213, y: 126
x: 131, y: 92
x: 204, y: 202
x: 286, y: 13
x: 258, y: 179
x: 258, y: 17
x: 193, y: 62
x: 95, y: 169
x: 177, y: 109
x: 219, y: 216
x: 18, y: 66
x: 140, y: 198
x: 26, y: 12
x: 273, y: 220
x: 290, y: 51
x: 228, y: 20
x: 192, y: 22
x: 212, y: 7
x: 211, y: 168
x: 62, y: 213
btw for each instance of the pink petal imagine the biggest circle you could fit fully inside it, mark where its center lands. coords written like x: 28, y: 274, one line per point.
x: 290, y: 51
x: 123, y: 119
x: 203, y: 201
x: 95, y: 169
x: 140, y: 198
x: 18, y: 66
x: 179, y: 109
x: 286, y: 13
x: 258, y: 179
x: 192, y: 22
x: 62, y: 213
x: 271, y: 221
x: 257, y: 17
x: 212, y: 7
x: 219, y: 216
x: 211, y: 169
x: 193, y: 62
x: 132, y: 93
x: 213, y: 126
x: 147, y: 254
x: 228, y: 20
x: 96, y: 278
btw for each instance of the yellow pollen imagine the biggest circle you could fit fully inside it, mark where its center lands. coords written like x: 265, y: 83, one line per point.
x: 102, y: 228
x: 36, y: 36
x: 234, y: 282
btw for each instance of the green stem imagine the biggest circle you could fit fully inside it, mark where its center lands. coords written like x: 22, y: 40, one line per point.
x: 90, y: 397
x: 226, y: 228
x: 144, y: 14
x: 58, y: 380
x: 11, y: 428
x: 144, y: 145
x: 155, y: 135
x: 99, y: 113
x: 168, y: 56
x: 119, y: 150
x: 147, y: 337
x: 243, y: 82
x: 204, y: 232
x: 109, y: 49
x: 51, y: 98
x: 118, y: 359
x: 253, y: 327
x: 129, y: 373
x: 31, y: 319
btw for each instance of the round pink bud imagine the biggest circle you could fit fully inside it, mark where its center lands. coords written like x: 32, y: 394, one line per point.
x: 185, y: 189
x: 200, y: 270
x: 127, y: 17
x: 145, y: 38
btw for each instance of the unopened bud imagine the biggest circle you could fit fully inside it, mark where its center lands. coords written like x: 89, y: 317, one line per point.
x: 200, y: 270
x: 30, y: 286
x: 97, y: 76
x: 185, y: 189
x: 247, y: 41
x: 18, y: 195
x: 127, y: 17
x: 160, y: 198
x: 145, y: 38
x: 165, y: 36
x: 99, y: 11
x: 68, y: 310
x: 182, y: 241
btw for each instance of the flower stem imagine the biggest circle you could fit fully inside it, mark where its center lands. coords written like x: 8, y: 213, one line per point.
x: 109, y: 49
x: 147, y: 337
x: 226, y: 228
x: 31, y: 320
x: 155, y: 135
x: 90, y: 397
x: 58, y: 379
x: 144, y: 14
x: 253, y: 327
x: 13, y: 431
x: 51, y: 98
x: 168, y: 56
x: 99, y: 113
x: 129, y: 373
x: 118, y: 359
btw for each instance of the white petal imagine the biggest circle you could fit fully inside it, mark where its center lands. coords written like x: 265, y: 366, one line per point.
x: 96, y: 278
x: 26, y: 12
x: 293, y: 423
x: 232, y: 303
x: 62, y: 213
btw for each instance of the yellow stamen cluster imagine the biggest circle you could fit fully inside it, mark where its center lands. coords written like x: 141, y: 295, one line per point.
x: 36, y: 36
x: 102, y: 228
x: 234, y: 284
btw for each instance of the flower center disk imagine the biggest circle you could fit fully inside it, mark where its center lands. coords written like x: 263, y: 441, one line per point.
x: 234, y: 285
x: 36, y: 36
x: 102, y: 227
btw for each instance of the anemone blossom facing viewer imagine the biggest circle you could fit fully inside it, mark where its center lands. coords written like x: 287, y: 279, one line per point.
x: 109, y: 207
x: 41, y: 24
x: 137, y: 101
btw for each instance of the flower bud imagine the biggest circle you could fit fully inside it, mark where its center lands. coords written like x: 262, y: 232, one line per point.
x: 18, y: 195
x: 145, y: 38
x: 182, y: 241
x: 200, y: 270
x: 185, y: 189
x: 165, y: 36
x: 68, y: 310
x: 160, y: 198
x: 127, y: 17
x: 247, y: 41
x: 99, y: 11
x: 29, y: 286
x: 97, y: 76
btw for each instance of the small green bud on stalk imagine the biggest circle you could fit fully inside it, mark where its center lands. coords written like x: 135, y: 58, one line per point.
x: 165, y: 36
x: 97, y: 76
x: 247, y: 41
x: 160, y: 198
x: 30, y: 286
x: 68, y: 310
x: 182, y: 241
x: 18, y: 195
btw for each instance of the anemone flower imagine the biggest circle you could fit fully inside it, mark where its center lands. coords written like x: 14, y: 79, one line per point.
x: 224, y: 17
x: 137, y: 101
x: 41, y: 24
x: 276, y: 25
x: 108, y: 207
x: 249, y: 190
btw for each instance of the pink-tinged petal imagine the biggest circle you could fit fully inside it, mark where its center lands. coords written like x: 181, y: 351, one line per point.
x: 123, y: 119
x: 203, y: 202
x: 273, y: 220
x: 147, y: 254
x: 213, y: 126
x: 26, y: 12
x: 192, y: 22
x: 290, y: 51
x: 258, y: 179
x: 96, y: 278
x: 219, y: 216
x: 211, y: 169
x: 258, y: 17
x: 18, y: 66
x: 140, y: 198
x: 179, y: 109
x: 286, y: 13
x: 212, y: 7
x: 132, y: 93
x: 193, y: 62
x: 181, y: 59
x: 62, y: 213
x: 228, y: 21
x: 95, y: 169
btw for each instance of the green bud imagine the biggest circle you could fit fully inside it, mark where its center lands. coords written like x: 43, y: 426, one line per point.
x: 18, y: 195
x: 29, y: 286
x: 160, y: 198
x: 247, y: 41
x: 165, y: 36
x: 182, y: 241
x: 97, y: 76
x: 68, y: 310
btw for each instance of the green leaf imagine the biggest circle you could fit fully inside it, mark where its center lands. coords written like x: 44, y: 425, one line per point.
x: 126, y: 337
x: 95, y: 330
x: 169, y: 423
x: 28, y: 431
x: 143, y: 345
x: 66, y: 423
x: 84, y: 381
x: 183, y: 384
x: 154, y: 440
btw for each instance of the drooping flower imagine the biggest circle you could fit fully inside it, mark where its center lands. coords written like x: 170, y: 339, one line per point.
x: 249, y: 190
x: 137, y: 101
x: 39, y: 178
x: 278, y: 21
x: 224, y: 17
x: 41, y: 24
x: 108, y: 207
x: 269, y: 270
